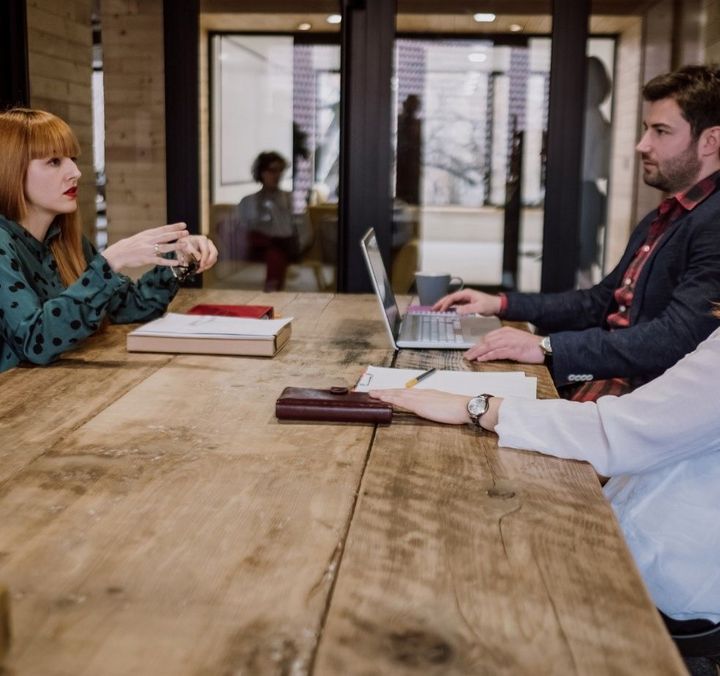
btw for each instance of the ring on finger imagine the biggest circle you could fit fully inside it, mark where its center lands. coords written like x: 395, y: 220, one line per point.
x: 156, y: 249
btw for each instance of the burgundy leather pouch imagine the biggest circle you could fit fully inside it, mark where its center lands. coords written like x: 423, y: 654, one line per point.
x: 336, y: 404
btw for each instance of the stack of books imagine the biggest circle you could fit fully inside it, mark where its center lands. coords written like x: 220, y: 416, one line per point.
x: 226, y: 332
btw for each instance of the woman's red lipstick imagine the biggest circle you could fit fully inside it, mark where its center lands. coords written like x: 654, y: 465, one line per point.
x: 71, y: 192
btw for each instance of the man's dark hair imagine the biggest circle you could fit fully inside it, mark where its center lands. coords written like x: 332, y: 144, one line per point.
x: 263, y: 161
x: 696, y: 90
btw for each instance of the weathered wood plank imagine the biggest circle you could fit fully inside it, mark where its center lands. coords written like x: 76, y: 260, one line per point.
x: 42, y: 404
x: 183, y: 529
x: 466, y: 559
x: 165, y: 522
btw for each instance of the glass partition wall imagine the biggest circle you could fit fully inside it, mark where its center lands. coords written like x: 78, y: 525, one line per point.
x: 470, y: 136
x: 275, y: 139
x: 472, y: 113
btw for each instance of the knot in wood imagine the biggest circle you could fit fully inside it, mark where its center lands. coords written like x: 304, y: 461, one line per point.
x: 416, y: 647
x: 502, y: 493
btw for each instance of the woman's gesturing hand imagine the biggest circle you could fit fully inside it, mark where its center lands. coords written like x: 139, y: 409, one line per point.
x: 147, y: 247
x: 201, y: 249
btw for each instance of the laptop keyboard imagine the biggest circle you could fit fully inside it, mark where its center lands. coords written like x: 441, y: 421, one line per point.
x: 437, y: 329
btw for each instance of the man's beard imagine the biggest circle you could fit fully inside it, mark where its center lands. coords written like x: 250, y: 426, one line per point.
x: 677, y: 173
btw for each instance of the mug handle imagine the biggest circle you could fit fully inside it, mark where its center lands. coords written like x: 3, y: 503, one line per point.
x: 457, y: 280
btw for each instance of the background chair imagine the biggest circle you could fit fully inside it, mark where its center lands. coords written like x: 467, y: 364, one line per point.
x: 322, y: 254
x: 230, y: 239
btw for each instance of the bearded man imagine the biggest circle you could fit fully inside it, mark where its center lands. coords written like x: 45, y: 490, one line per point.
x: 655, y: 306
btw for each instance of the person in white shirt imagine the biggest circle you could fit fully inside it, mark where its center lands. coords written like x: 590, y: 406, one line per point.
x: 267, y: 217
x: 660, y: 445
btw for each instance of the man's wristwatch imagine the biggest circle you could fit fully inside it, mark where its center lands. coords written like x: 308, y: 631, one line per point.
x: 477, y: 407
x: 546, y: 347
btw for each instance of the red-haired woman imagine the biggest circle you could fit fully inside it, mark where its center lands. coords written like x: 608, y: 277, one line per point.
x: 55, y: 288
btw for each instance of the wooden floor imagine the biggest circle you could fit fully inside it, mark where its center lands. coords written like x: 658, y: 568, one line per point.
x: 158, y: 519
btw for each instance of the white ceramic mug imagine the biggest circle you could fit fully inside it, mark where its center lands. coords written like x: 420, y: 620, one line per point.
x: 432, y: 286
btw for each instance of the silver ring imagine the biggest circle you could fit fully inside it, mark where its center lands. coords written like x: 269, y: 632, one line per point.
x: 156, y: 249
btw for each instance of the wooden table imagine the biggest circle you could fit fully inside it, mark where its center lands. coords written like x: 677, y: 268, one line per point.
x: 157, y: 519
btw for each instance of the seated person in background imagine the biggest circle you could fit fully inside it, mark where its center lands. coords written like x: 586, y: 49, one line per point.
x: 267, y: 216
x: 661, y: 446
x: 55, y: 289
x: 654, y: 307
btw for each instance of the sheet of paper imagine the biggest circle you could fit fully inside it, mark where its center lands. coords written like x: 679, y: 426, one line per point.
x: 502, y: 384
x: 212, y: 326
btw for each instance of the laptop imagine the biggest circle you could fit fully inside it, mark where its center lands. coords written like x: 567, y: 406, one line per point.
x: 440, y: 330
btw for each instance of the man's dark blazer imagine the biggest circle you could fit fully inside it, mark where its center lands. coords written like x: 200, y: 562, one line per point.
x: 670, y: 313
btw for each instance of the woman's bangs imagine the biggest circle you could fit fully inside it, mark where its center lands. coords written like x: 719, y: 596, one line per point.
x: 52, y: 138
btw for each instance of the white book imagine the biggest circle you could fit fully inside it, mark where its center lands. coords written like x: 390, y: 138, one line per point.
x: 211, y: 334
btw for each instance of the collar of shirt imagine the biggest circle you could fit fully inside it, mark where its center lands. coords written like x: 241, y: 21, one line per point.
x: 669, y: 211
x: 672, y: 208
x: 699, y: 192
x: 19, y: 230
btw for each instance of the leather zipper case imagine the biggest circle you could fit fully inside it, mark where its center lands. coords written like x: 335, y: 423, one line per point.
x: 337, y: 404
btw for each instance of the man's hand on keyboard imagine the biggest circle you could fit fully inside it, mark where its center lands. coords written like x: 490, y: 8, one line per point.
x: 468, y: 301
x: 507, y: 343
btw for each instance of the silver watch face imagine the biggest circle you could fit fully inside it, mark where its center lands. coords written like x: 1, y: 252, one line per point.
x: 477, y: 406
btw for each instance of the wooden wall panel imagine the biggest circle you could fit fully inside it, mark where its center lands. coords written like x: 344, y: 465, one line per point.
x: 623, y: 158
x: 658, y: 52
x: 132, y: 35
x: 712, y: 31
x: 60, y: 64
x: 689, y: 44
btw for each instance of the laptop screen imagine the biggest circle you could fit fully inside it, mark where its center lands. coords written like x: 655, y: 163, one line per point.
x: 381, y: 283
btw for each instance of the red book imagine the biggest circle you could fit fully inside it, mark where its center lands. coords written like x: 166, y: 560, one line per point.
x: 257, y: 311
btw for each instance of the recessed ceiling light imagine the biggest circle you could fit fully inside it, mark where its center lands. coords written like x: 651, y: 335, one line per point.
x: 515, y: 27
x: 481, y: 17
x: 334, y: 18
x: 477, y: 57
x: 305, y: 26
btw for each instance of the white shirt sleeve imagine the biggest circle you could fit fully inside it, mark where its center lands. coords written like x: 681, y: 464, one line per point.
x: 674, y: 416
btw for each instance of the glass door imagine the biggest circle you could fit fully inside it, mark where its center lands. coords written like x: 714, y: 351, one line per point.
x: 471, y: 97
x: 273, y: 154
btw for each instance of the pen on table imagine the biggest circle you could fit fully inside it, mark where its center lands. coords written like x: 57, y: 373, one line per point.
x: 414, y: 381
